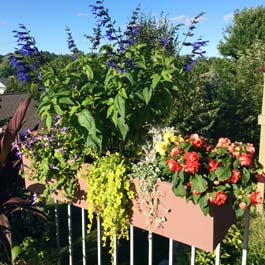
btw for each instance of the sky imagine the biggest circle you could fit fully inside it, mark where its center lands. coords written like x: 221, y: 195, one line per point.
x: 47, y: 19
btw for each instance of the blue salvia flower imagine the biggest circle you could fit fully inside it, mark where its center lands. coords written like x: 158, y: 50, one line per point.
x: 26, y: 48
x: 195, y: 53
x: 71, y: 43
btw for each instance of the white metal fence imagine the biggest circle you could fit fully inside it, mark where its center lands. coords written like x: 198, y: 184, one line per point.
x: 149, y: 238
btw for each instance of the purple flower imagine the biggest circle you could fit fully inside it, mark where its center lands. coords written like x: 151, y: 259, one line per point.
x: 52, y: 166
x: 165, y: 41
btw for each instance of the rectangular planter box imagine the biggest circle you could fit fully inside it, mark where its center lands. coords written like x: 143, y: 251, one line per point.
x: 185, y: 222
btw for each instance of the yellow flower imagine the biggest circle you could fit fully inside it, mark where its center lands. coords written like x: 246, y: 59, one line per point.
x: 169, y: 137
x: 161, y: 148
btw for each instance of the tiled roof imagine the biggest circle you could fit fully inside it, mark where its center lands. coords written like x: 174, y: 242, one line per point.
x: 9, y: 104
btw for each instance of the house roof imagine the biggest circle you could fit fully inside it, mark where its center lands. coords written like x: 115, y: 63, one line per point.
x: 10, y: 102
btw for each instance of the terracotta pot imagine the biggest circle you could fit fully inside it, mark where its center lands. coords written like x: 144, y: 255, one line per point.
x: 184, y: 222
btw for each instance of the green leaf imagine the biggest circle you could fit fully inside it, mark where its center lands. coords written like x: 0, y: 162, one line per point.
x: 73, y: 110
x: 204, y: 204
x: 123, y: 127
x: 236, y: 164
x: 129, y: 77
x: 48, y: 121
x: 86, y: 119
x: 66, y: 100
x: 147, y: 93
x: 89, y: 72
x: 58, y: 109
x: 119, y: 104
x: 179, y: 190
x: 199, y: 183
x: 245, y: 176
x: 16, y: 251
x: 223, y: 173
x: 155, y: 80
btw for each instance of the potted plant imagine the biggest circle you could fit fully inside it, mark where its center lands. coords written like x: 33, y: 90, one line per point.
x: 194, y: 184
x: 13, y: 199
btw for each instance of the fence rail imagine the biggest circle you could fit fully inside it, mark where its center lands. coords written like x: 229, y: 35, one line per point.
x: 150, y: 239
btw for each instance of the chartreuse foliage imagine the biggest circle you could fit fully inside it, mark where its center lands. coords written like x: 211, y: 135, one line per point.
x: 108, y: 196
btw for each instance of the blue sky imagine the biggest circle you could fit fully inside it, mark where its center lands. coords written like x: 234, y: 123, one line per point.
x: 47, y: 19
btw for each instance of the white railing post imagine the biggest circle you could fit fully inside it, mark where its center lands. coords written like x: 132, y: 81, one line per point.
x: 246, y: 233
x: 69, y: 218
x: 83, y: 236
x: 57, y: 231
x: 150, y: 248
x: 99, y: 239
x: 170, y: 252
x: 131, y: 245
x: 193, y: 253
x: 217, y: 254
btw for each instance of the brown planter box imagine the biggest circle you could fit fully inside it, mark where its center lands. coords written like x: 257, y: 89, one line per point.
x: 185, y: 222
x: 78, y: 200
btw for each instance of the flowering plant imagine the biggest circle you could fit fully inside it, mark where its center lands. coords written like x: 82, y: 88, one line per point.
x: 55, y: 157
x: 210, y: 174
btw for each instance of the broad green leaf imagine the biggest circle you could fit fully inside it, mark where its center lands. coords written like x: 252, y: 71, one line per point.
x: 58, y: 109
x: 123, y: 127
x: 66, y: 100
x: 119, y: 104
x: 66, y: 81
x: 179, y: 190
x: 245, y: 176
x: 48, y: 121
x: 140, y: 64
x: 204, y: 204
x: 223, y: 173
x: 199, y: 183
x: 236, y: 164
x: 86, y: 119
x: 129, y: 77
x: 73, y: 110
x: 155, y: 80
x: 108, y: 77
x: 16, y: 251
x: 89, y: 72
x: 147, y: 93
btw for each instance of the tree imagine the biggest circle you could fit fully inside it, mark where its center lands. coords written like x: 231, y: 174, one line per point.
x: 247, y: 27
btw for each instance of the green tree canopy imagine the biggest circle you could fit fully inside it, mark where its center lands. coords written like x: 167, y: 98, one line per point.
x: 247, y: 27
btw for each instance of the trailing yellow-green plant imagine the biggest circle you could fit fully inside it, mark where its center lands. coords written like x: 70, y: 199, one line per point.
x: 109, y: 195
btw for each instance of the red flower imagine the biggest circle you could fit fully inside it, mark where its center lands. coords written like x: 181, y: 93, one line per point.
x: 191, y: 167
x: 223, y: 142
x: 250, y: 149
x: 235, y: 176
x: 195, y: 192
x: 196, y: 140
x: 262, y: 69
x: 245, y: 160
x: 255, y: 197
x: 219, y: 199
x: 173, y: 165
x: 243, y: 205
x: 191, y: 156
x: 191, y: 162
x: 175, y: 151
x: 212, y: 165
